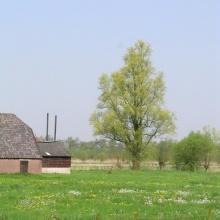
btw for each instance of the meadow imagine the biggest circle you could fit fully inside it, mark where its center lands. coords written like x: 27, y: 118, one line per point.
x: 120, y: 194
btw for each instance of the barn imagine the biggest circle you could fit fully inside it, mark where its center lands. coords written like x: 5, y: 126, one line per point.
x: 21, y: 153
x: 55, y: 158
x: 18, y: 148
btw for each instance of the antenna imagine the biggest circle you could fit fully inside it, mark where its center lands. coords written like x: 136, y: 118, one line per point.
x: 47, y: 128
x: 55, y: 128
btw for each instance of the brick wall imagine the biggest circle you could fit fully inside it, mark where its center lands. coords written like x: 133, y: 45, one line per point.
x: 13, y: 166
x: 56, y: 162
x: 35, y: 166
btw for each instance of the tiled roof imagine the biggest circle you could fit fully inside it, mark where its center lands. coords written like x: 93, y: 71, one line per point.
x: 53, y: 149
x: 16, y: 139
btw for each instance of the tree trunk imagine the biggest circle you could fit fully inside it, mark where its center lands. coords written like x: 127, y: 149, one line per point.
x: 135, y: 152
x: 161, y: 164
x: 135, y: 164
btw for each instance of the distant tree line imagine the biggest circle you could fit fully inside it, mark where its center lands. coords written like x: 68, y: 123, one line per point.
x: 193, y: 152
x: 97, y: 150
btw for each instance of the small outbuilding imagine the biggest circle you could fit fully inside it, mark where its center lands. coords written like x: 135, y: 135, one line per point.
x: 19, y: 152
x: 55, y: 157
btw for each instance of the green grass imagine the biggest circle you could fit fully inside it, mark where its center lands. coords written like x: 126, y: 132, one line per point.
x: 120, y: 195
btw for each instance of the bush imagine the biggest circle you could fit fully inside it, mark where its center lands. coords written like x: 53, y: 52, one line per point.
x: 193, y: 151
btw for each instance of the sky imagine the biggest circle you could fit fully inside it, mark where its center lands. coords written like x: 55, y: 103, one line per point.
x: 53, y: 52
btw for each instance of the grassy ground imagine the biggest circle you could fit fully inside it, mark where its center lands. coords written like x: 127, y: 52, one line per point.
x: 119, y: 195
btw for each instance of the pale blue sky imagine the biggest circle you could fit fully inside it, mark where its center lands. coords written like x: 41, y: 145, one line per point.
x: 53, y: 52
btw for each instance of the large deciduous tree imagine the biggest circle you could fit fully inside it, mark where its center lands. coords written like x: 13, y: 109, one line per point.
x: 131, y: 105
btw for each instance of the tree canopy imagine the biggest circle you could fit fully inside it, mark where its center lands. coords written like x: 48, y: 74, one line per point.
x: 131, y: 105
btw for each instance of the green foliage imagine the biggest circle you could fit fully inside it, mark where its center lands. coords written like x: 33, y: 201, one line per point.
x: 193, y: 151
x: 131, y: 105
x: 96, y: 150
x: 215, y: 137
x: 163, y: 152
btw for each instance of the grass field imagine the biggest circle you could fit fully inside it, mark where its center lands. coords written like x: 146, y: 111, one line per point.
x: 119, y: 195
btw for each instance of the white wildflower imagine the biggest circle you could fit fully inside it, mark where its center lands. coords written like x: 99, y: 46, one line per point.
x: 160, y: 200
x: 126, y: 191
x: 182, y: 193
x: 180, y: 200
x: 75, y: 193
x: 205, y: 200
x: 148, y: 201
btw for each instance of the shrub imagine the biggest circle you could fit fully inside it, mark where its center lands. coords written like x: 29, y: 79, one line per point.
x: 193, y: 151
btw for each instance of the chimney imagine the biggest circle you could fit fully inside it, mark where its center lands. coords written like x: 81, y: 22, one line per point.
x: 55, y: 128
x: 47, y: 128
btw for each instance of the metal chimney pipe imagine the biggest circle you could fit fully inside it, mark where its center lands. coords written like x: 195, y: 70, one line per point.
x: 55, y: 128
x: 47, y: 128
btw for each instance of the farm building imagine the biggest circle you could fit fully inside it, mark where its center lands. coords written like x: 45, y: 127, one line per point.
x: 18, y: 148
x: 20, y: 153
x: 55, y: 158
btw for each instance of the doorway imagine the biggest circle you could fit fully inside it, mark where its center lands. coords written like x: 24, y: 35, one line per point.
x: 23, y: 166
